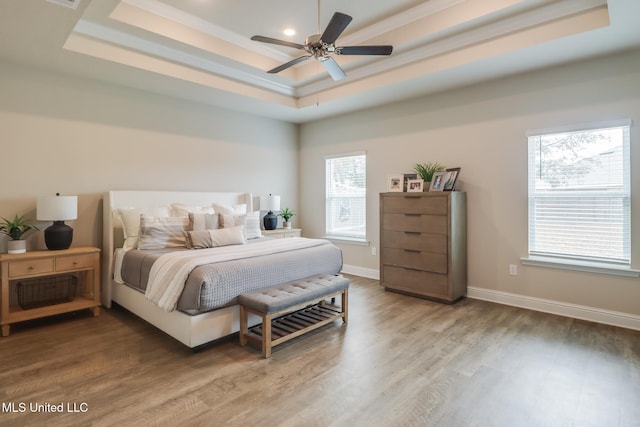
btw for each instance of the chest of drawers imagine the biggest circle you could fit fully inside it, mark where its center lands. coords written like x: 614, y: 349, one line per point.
x: 423, y: 244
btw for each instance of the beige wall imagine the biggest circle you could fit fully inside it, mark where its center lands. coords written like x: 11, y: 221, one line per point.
x: 82, y: 137
x: 482, y: 129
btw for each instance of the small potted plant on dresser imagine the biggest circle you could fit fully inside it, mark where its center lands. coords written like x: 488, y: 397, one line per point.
x: 286, y: 215
x: 15, y: 228
x: 426, y: 171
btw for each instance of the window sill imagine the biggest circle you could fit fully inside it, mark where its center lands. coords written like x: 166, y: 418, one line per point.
x: 590, y: 267
x: 348, y: 240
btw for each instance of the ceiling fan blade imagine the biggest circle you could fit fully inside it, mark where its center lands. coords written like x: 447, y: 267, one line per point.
x: 278, y: 42
x: 332, y: 68
x: 289, y: 64
x: 336, y: 26
x: 364, y: 50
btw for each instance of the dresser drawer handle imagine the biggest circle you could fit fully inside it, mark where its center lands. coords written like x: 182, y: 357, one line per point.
x: 75, y: 262
x: 413, y: 214
x: 412, y: 250
x: 412, y: 232
x: 31, y: 267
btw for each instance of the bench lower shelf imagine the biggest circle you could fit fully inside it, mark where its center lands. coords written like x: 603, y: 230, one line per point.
x: 285, y: 327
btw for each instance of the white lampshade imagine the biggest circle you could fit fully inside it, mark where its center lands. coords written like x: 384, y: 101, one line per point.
x: 57, y: 208
x: 270, y: 203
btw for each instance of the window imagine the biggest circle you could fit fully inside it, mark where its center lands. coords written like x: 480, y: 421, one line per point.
x: 579, y: 194
x: 346, y: 201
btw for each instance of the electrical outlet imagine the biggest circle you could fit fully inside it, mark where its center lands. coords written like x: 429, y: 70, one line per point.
x: 513, y: 269
x: 373, y: 250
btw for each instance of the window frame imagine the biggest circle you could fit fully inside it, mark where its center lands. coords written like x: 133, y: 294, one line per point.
x: 344, y: 237
x: 578, y: 262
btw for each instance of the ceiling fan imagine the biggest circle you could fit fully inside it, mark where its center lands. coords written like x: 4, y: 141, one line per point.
x: 322, y: 46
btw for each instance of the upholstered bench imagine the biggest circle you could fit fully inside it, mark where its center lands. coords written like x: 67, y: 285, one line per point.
x: 292, y: 309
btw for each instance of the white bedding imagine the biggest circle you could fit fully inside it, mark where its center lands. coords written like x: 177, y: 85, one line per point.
x: 177, y: 265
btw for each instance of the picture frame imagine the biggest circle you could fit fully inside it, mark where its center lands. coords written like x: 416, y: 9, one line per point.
x: 438, y: 180
x: 451, y: 179
x: 415, y: 185
x: 406, y: 178
x: 394, y: 183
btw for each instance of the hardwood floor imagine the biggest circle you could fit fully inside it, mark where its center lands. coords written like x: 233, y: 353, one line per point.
x: 401, y: 361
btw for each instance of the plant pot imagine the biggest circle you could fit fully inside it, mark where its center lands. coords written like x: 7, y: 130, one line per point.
x: 17, y: 246
x: 286, y: 224
x: 426, y: 186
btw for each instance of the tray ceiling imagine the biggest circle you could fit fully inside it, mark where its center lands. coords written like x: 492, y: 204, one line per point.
x: 201, y: 49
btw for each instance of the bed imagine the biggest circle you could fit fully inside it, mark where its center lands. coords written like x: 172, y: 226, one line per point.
x: 196, y: 316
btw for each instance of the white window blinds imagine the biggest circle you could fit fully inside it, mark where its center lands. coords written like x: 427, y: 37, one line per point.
x: 346, y: 202
x: 579, y: 194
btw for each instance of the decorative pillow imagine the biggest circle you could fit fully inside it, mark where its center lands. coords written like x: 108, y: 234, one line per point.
x: 199, y: 221
x: 214, y: 238
x: 240, y: 209
x: 250, y: 221
x: 130, y: 219
x: 252, y: 225
x: 181, y: 209
x: 158, y: 233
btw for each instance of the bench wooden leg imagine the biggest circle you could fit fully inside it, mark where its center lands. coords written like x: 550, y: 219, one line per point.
x: 243, y: 326
x: 345, y: 305
x: 266, y: 336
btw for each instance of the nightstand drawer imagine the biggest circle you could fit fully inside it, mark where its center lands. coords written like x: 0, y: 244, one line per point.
x: 33, y: 266
x: 68, y: 263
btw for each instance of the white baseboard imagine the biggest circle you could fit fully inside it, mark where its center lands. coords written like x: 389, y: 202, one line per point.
x: 592, y: 314
x: 369, y: 273
x: 598, y: 315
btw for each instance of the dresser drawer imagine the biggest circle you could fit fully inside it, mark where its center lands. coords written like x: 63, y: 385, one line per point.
x: 422, y: 283
x: 431, y: 204
x: 426, y: 242
x: 436, y: 224
x: 33, y: 266
x: 426, y: 261
x: 74, y: 262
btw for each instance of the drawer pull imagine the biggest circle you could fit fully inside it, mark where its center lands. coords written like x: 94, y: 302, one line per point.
x: 412, y: 214
x: 412, y: 232
x: 31, y: 267
x: 75, y: 262
x: 412, y: 250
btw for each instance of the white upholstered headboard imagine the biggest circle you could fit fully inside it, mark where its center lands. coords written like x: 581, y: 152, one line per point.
x: 112, y: 236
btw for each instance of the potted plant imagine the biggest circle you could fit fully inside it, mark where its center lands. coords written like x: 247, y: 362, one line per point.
x: 426, y: 171
x: 15, y: 228
x: 286, y: 215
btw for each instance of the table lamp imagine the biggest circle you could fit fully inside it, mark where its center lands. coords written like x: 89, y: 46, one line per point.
x: 57, y: 209
x: 270, y: 203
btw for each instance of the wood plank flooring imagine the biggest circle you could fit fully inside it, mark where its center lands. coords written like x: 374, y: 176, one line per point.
x: 400, y: 361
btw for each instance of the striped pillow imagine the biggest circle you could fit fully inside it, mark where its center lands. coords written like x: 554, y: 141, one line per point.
x: 158, y: 233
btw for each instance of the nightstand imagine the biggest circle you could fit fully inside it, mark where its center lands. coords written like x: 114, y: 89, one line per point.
x: 281, y: 233
x: 34, y: 269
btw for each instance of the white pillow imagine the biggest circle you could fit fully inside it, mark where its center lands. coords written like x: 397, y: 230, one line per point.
x: 240, y: 209
x: 250, y: 221
x: 159, y: 233
x: 181, y: 209
x: 252, y: 225
x: 130, y: 219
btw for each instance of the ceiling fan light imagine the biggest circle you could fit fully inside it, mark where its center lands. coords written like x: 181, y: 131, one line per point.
x: 289, y: 32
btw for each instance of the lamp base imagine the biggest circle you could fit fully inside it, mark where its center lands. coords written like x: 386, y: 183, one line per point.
x: 270, y: 221
x: 58, y: 236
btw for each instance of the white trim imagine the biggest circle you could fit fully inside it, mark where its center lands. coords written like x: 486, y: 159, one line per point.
x: 576, y: 127
x: 592, y: 314
x: 350, y: 154
x: 369, y: 273
x: 585, y: 266
x: 348, y: 240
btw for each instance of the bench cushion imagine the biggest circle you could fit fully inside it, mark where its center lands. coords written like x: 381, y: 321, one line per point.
x: 276, y: 298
